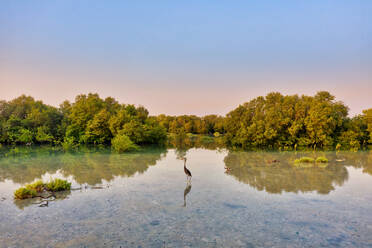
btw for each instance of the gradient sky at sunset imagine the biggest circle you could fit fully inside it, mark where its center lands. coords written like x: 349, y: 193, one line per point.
x: 186, y: 57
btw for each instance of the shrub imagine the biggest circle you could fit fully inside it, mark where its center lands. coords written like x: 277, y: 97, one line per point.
x: 24, y: 193
x: 37, y: 186
x: 122, y: 143
x: 68, y: 144
x: 42, y: 135
x: 304, y: 160
x: 58, y: 185
x: 26, y: 136
x: 321, y: 160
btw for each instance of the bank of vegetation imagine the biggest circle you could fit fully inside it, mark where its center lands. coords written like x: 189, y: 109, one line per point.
x: 274, y: 121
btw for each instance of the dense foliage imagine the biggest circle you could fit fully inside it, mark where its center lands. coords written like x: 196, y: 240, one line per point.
x: 276, y: 121
x: 24, y: 120
x: 88, y: 120
x: 122, y: 143
x: 368, y: 122
x: 291, y: 121
x: 209, y: 124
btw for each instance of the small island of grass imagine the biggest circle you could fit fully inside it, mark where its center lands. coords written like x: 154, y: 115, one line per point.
x: 321, y: 160
x: 304, y: 160
x: 309, y: 162
x: 37, y: 188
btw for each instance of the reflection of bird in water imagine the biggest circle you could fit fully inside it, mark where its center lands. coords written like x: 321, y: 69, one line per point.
x: 187, y: 190
x: 44, y: 204
x: 187, y: 172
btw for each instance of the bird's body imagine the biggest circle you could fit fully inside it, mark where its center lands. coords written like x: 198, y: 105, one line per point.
x: 187, y: 171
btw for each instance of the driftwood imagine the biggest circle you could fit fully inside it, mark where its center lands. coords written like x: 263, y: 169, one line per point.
x: 92, y: 187
x: 47, y: 196
x: 45, y: 199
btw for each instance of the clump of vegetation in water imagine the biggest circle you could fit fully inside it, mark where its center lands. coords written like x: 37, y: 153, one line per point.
x: 24, y: 193
x: 58, y: 185
x: 304, y: 160
x: 35, y: 189
x: 309, y: 162
x: 122, y: 143
x: 37, y: 186
x: 321, y: 160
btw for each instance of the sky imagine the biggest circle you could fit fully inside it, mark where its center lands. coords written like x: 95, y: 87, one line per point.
x: 186, y: 57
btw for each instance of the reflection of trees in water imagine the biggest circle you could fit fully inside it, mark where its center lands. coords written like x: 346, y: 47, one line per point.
x: 24, y: 164
x: 362, y: 159
x: 199, y: 141
x: 93, y: 168
x: 184, y: 143
x: 86, y: 167
x: 254, y: 169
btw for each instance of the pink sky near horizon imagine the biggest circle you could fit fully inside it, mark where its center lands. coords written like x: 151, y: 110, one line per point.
x: 165, y: 96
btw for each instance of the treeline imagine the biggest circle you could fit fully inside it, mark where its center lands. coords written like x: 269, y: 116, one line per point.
x: 290, y: 121
x: 88, y: 120
x: 274, y: 121
x: 208, y: 125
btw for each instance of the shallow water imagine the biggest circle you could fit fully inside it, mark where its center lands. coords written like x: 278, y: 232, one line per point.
x: 143, y: 200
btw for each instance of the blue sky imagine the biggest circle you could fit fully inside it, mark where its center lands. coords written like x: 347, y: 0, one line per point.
x: 186, y: 57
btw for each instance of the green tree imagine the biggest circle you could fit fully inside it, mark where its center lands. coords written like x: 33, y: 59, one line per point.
x: 286, y: 121
x: 122, y: 143
x: 98, y: 131
x: 26, y: 136
x: 368, y: 119
x: 43, y: 135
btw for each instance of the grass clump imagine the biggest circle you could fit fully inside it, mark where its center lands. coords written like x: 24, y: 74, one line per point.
x: 58, y: 185
x: 304, y: 160
x: 24, y: 193
x: 122, y: 143
x: 37, y: 188
x: 321, y: 160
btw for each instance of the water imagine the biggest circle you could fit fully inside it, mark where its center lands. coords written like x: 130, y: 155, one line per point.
x: 143, y: 199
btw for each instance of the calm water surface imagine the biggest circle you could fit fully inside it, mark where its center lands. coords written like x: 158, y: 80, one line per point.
x: 143, y: 199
